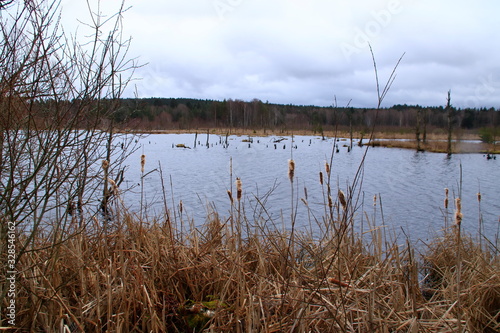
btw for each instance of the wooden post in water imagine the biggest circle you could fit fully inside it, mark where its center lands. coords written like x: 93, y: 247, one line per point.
x: 195, y: 137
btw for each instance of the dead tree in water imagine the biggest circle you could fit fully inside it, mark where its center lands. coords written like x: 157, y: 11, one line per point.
x: 417, y: 129
x: 449, y: 109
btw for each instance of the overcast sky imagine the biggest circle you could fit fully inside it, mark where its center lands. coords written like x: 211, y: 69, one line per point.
x: 307, y: 52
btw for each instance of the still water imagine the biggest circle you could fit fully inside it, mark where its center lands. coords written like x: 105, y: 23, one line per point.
x: 409, y: 186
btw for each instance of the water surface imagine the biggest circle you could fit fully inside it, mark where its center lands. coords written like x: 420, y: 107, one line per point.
x: 409, y: 185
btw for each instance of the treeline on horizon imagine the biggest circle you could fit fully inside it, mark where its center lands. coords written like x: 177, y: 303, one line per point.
x: 151, y: 114
x: 185, y: 113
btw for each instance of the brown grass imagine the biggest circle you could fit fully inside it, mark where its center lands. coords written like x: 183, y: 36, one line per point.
x: 139, y: 277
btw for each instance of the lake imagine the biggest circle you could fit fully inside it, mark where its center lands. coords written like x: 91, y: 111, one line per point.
x: 409, y: 185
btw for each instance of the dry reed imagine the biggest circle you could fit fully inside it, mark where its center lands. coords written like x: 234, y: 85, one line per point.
x: 143, y: 277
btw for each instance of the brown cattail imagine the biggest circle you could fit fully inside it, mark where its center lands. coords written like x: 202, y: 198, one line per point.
x: 143, y: 162
x: 321, y: 178
x: 180, y: 206
x: 446, y: 198
x: 291, y: 169
x: 114, y: 187
x: 327, y: 168
x: 342, y: 199
x: 230, y: 196
x: 458, y: 213
x: 479, y: 197
x: 239, y: 190
x: 105, y: 165
x: 330, y: 201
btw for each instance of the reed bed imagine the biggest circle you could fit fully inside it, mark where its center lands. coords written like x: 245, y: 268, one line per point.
x: 232, y: 274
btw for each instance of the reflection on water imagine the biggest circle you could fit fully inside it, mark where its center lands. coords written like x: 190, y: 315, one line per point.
x: 409, y: 185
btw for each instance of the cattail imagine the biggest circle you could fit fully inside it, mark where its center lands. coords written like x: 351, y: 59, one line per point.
x: 330, y: 201
x: 305, y: 192
x: 180, y: 206
x: 230, y: 196
x: 446, y: 198
x: 143, y: 162
x: 479, y: 197
x: 321, y: 178
x: 291, y: 169
x: 105, y: 164
x: 374, y: 200
x: 342, y: 199
x: 238, y: 189
x: 327, y: 168
x: 458, y: 213
x: 114, y: 187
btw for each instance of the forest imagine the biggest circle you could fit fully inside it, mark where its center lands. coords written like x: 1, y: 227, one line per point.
x: 191, y: 114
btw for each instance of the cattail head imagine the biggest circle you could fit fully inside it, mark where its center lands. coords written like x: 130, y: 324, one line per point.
x: 239, y: 189
x: 327, y: 168
x: 446, y: 198
x: 479, y: 196
x: 458, y: 213
x: 291, y: 169
x: 180, y: 206
x: 342, y: 200
x: 143, y: 162
x: 230, y: 196
x: 114, y: 187
x: 105, y: 165
x: 330, y: 201
x: 321, y: 178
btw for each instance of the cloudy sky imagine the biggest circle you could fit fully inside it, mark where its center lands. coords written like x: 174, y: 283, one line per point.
x: 308, y: 52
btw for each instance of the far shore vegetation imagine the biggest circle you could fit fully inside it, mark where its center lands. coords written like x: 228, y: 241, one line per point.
x: 402, y: 126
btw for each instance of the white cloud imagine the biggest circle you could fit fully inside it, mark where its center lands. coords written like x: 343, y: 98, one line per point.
x: 304, y: 52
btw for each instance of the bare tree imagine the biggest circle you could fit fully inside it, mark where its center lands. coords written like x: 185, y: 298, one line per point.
x: 5, y: 3
x: 58, y: 94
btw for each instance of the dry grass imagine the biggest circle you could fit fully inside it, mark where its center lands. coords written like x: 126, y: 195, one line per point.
x: 144, y: 276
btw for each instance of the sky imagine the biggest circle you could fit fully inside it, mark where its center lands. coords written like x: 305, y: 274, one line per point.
x: 312, y: 52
